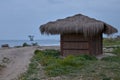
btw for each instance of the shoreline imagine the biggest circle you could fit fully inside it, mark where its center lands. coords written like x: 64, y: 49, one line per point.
x: 13, y: 43
x: 56, y: 47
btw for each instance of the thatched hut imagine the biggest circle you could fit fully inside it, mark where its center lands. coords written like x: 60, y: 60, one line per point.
x: 79, y: 34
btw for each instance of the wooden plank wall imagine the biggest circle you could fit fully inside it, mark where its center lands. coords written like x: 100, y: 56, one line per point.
x: 95, y: 45
x: 76, y: 44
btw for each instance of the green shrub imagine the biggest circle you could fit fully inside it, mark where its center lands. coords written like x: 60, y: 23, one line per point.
x: 25, y: 44
x: 37, y: 52
x: 32, y: 68
x: 55, y: 70
x: 48, y: 60
x: 64, y: 66
x: 72, y: 61
x: 55, y: 66
x: 107, y: 79
x: 110, y: 42
x: 111, y: 59
x: 43, y: 58
x: 2, y: 66
x: 58, y: 69
x: 69, y: 64
x: 88, y: 57
x: 35, y: 44
x: 51, y: 52
x: 117, y: 51
x: 38, y: 55
x: 116, y: 78
x: 34, y: 79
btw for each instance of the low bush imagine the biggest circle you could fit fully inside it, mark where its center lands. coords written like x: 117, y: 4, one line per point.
x: 25, y: 44
x: 69, y: 64
x: 63, y: 66
x: 110, y: 42
x: 35, y: 44
x: 51, y: 52
x: 71, y: 61
x: 54, y: 65
x: 55, y: 69
x: 112, y: 59
x: 88, y: 57
x: 2, y: 66
x: 117, y: 51
x: 107, y: 79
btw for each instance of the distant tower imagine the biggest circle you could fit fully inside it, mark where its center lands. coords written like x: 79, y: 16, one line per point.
x: 31, y: 37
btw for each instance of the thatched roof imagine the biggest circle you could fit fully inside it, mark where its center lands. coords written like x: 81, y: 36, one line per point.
x: 77, y: 24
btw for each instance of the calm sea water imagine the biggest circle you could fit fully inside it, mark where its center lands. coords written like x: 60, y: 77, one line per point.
x: 13, y: 43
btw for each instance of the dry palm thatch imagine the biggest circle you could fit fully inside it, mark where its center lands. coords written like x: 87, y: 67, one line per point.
x: 77, y: 24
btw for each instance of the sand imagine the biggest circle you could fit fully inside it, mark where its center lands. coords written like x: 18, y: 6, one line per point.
x: 17, y: 60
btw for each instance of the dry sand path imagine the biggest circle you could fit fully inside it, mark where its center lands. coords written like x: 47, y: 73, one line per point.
x: 19, y: 59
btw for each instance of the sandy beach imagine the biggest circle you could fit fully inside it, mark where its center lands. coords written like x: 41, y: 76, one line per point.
x: 17, y: 60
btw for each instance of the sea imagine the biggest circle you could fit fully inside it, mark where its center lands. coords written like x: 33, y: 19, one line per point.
x: 13, y: 43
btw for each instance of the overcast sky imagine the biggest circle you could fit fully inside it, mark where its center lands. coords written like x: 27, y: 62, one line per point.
x: 20, y: 18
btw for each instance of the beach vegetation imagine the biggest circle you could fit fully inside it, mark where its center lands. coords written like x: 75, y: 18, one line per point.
x: 4, y: 62
x: 111, y: 42
x: 83, y: 67
x: 112, y: 59
x: 115, y: 58
x: 116, y: 51
x: 35, y: 44
x: 51, y: 52
x: 25, y: 44
x: 2, y: 66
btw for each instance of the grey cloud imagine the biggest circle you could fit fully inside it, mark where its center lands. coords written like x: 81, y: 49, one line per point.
x: 55, y: 1
x: 29, y: 15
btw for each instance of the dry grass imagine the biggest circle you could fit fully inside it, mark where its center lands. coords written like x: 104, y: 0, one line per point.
x: 77, y: 24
